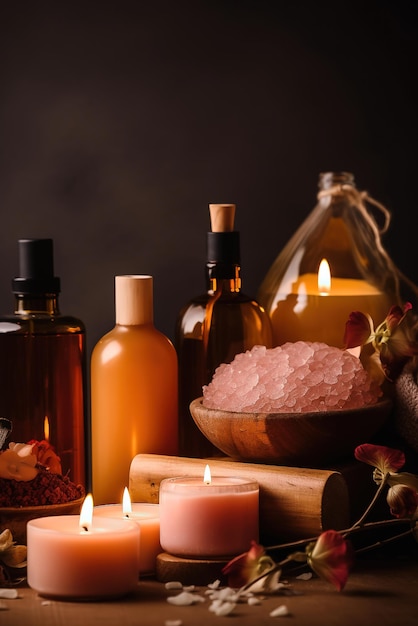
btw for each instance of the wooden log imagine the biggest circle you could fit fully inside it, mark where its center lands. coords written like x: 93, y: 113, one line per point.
x: 295, y: 503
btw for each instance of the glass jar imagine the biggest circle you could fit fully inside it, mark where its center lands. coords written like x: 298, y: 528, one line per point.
x: 341, y: 237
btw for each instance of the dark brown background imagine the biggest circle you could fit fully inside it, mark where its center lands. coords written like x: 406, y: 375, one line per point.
x: 120, y: 122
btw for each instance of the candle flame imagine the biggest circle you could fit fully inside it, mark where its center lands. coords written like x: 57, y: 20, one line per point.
x: 86, y: 514
x: 46, y: 428
x: 324, y: 278
x: 207, y: 476
x: 126, y: 503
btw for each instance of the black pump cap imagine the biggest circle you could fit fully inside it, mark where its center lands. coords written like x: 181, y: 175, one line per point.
x: 36, y: 268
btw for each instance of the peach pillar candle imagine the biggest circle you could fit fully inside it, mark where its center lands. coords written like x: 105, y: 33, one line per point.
x: 208, y: 517
x: 80, y: 558
x: 147, y: 517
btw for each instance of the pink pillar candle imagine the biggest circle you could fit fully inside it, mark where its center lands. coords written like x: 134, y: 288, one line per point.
x: 75, y: 563
x: 208, y: 519
x: 147, y: 517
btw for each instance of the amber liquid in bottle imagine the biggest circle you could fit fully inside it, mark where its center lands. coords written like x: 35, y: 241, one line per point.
x: 213, y: 328
x: 42, y: 378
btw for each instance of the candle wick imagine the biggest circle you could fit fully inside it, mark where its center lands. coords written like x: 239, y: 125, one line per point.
x: 86, y: 529
x: 127, y: 515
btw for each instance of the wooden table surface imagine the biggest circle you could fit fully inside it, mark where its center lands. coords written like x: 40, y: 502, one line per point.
x: 380, y: 591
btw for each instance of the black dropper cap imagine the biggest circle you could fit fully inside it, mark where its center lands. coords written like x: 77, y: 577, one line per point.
x: 36, y: 268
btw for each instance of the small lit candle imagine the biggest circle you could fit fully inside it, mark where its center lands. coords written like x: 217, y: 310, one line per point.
x: 316, y: 307
x: 147, y: 517
x: 81, y: 558
x: 208, y: 518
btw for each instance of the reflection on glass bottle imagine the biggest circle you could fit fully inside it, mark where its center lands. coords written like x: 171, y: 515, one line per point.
x: 342, y: 237
x: 43, y: 363
x: 215, y: 326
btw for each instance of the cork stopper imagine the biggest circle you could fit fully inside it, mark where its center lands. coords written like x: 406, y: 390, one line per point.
x: 134, y: 300
x: 222, y: 217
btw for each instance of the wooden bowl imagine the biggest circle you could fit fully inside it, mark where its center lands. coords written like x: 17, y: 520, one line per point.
x: 312, y: 439
x: 15, y: 518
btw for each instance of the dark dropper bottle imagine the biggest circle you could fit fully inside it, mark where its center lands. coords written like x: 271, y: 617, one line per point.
x: 215, y: 326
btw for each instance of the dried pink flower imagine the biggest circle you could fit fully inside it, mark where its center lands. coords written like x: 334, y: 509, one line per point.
x: 402, y: 495
x: 403, y: 501
x: 384, y: 458
x: 247, y: 566
x: 331, y: 557
x: 393, y: 343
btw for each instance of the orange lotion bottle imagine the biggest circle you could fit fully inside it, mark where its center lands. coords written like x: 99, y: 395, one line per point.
x: 134, y: 397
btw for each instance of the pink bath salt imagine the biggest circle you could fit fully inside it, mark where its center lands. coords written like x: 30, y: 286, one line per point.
x: 295, y: 377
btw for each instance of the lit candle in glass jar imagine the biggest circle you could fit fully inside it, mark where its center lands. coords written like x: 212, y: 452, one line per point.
x: 316, y: 307
x: 216, y: 516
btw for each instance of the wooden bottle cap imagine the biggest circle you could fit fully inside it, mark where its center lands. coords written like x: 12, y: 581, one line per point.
x: 134, y: 300
x: 222, y: 217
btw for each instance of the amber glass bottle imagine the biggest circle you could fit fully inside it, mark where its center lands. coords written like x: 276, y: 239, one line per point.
x: 43, y: 363
x: 215, y: 326
x: 134, y: 397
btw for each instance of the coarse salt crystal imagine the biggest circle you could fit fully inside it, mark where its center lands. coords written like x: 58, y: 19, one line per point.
x: 295, y: 377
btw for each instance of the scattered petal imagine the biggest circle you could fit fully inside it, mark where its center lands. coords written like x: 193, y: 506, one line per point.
x: 3, y: 606
x: 280, y: 611
x: 46, y: 603
x: 185, y: 599
x: 269, y: 584
x: 225, y: 594
x: 305, y: 576
x: 189, y: 588
x: 225, y: 608
x: 215, y: 585
x: 173, y: 622
x: 173, y: 584
x: 9, y: 594
x: 253, y: 601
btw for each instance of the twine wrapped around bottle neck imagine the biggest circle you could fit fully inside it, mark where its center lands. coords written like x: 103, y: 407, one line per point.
x: 358, y: 201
